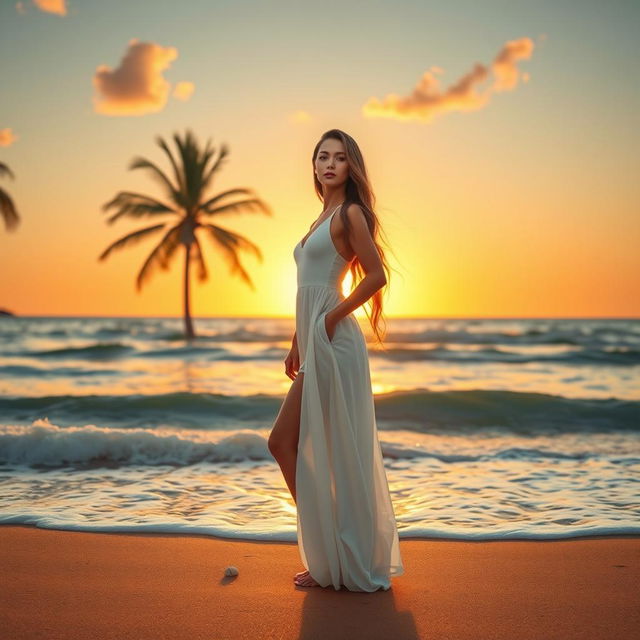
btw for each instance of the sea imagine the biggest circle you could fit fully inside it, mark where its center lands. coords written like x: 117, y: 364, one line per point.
x: 490, y: 429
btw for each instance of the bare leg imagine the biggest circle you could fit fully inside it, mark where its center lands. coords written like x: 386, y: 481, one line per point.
x: 283, y: 440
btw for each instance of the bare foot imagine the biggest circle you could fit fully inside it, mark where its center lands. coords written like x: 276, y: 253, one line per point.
x: 305, y: 581
x: 301, y: 573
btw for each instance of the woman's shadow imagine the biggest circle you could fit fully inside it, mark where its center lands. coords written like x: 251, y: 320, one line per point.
x: 327, y: 613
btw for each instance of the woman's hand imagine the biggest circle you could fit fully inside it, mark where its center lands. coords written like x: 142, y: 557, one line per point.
x: 329, y: 326
x: 292, y: 362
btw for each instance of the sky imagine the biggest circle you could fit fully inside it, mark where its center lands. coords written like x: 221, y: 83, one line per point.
x: 500, y: 138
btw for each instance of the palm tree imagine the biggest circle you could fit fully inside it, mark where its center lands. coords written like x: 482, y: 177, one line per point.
x: 190, y: 209
x: 7, y: 208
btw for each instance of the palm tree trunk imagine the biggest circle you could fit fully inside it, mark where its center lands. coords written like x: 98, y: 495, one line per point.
x: 188, y: 324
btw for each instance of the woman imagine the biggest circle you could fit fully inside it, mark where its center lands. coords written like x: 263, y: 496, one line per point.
x: 325, y: 436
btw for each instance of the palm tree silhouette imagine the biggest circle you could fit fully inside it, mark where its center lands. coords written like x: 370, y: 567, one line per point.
x: 193, y: 175
x: 7, y: 208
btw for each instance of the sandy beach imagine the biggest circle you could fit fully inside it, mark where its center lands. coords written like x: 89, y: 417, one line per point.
x: 62, y: 584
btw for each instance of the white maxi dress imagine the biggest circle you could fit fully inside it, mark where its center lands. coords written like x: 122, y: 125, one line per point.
x: 346, y: 526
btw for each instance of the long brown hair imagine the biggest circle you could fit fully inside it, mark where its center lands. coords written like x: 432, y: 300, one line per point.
x: 358, y: 191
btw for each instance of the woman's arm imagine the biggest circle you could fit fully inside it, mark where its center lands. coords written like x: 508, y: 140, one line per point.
x: 362, y: 243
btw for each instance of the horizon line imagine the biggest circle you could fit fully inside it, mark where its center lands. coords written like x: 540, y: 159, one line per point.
x: 395, y: 317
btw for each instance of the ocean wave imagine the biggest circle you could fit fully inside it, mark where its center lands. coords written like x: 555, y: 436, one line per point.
x: 615, y: 355
x: 521, y: 412
x: 46, y: 445
x: 620, y: 356
x: 25, y: 371
x: 98, y: 351
x: 419, y: 410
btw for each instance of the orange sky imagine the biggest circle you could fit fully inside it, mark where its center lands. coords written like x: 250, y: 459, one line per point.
x: 506, y: 185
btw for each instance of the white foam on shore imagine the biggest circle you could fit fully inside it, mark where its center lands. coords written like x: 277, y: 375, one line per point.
x: 485, y: 487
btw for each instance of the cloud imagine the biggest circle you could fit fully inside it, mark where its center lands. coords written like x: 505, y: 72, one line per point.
x: 52, y: 6
x: 183, y: 90
x: 7, y: 137
x: 59, y: 7
x: 427, y: 100
x: 136, y: 86
x: 504, y: 65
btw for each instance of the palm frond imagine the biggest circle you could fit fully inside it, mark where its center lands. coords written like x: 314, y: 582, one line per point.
x: 192, y: 172
x: 5, y: 171
x: 130, y: 239
x: 176, y: 169
x: 230, y: 242
x: 8, y: 211
x: 135, y: 205
x: 207, y: 178
x: 225, y: 194
x: 160, y: 256
x: 199, y: 259
x: 174, y: 194
x: 238, y: 207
